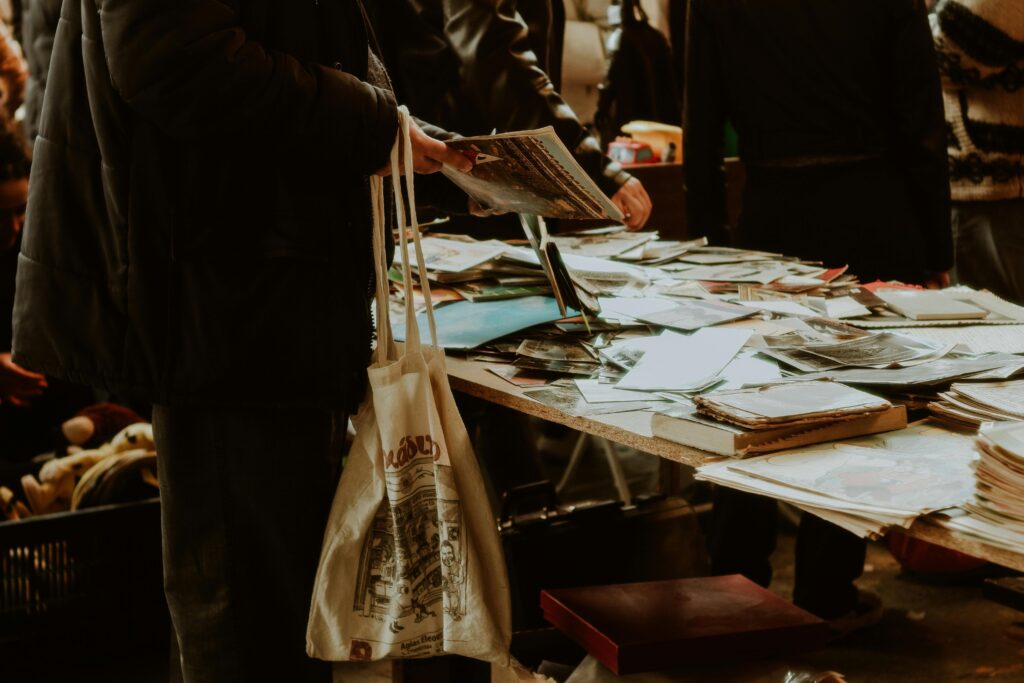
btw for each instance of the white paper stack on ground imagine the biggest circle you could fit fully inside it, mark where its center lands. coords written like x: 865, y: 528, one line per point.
x: 863, y: 485
x: 970, y: 405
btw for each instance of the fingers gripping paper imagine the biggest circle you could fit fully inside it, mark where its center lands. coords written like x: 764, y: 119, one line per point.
x: 411, y: 564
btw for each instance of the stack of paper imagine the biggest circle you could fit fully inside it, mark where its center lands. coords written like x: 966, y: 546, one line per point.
x: 874, y: 351
x: 912, y: 308
x: 928, y: 304
x: 477, y: 271
x: 777, y: 417
x: 864, y: 485
x: 786, y: 405
x: 999, y: 496
x: 970, y: 405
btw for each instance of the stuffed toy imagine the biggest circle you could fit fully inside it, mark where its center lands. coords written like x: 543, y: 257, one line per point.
x: 98, y: 424
x: 11, y: 509
x: 54, y: 490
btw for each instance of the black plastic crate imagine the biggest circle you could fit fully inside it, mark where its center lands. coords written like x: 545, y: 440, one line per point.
x: 90, y: 578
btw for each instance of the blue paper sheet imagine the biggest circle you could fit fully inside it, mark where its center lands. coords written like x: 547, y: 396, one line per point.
x: 466, y: 325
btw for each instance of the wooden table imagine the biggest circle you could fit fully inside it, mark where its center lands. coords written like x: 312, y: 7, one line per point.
x: 633, y: 429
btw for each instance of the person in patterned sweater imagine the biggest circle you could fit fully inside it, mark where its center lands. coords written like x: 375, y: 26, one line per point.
x: 980, y: 47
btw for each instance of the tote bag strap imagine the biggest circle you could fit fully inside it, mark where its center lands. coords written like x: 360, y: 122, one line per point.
x: 402, y: 149
x: 386, y: 349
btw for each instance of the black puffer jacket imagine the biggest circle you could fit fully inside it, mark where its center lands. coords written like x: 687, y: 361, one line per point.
x: 38, y: 26
x: 474, y: 65
x: 198, y: 225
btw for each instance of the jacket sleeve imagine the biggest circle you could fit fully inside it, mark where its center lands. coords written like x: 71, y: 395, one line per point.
x: 704, y: 131
x: 918, y: 133
x: 500, y: 73
x: 189, y: 67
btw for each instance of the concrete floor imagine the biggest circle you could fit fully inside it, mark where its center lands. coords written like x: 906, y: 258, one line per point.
x: 930, y: 632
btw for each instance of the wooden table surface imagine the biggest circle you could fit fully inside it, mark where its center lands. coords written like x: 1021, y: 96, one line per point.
x: 634, y: 429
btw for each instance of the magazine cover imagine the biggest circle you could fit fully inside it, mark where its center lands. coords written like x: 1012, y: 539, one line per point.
x: 530, y: 172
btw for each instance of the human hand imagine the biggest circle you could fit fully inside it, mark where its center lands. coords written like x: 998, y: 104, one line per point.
x: 634, y: 203
x: 940, y: 280
x: 429, y: 155
x: 18, y: 386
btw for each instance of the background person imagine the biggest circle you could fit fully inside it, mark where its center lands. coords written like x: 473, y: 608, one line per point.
x: 981, y: 60
x: 839, y: 115
x: 471, y: 66
x: 32, y: 407
x: 203, y: 198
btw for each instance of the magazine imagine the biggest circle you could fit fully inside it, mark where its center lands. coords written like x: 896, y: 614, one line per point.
x: 529, y: 172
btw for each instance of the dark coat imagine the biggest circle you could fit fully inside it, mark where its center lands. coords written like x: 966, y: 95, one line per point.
x: 38, y: 26
x: 821, y: 80
x: 198, y: 223
x: 471, y: 66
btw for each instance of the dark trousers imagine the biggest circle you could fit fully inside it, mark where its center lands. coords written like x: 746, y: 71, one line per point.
x: 989, y: 238
x: 828, y: 559
x: 245, y: 494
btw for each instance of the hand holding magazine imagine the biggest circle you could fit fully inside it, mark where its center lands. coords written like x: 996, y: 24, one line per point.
x: 529, y: 172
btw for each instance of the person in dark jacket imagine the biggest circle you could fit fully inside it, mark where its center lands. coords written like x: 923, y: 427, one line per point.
x: 38, y: 25
x: 32, y: 407
x: 839, y: 115
x: 472, y: 66
x: 199, y: 234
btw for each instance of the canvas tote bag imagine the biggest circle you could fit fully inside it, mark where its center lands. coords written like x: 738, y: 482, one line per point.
x: 412, y: 564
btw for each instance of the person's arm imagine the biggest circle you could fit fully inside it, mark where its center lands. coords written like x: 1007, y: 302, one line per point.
x: 499, y: 72
x: 918, y: 134
x: 189, y: 67
x: 704, y: 131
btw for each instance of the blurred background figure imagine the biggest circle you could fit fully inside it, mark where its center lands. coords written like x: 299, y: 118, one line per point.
x: 838, y: 110
x: 13, y: 74
x: 981, y: 61
x: 31, y: 406
x: 473, y: 66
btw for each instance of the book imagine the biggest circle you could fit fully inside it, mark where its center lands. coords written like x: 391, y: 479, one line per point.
x: 569, y: 292
x: 663, y: 625
x: 929, y: 304
x: 529, y: 172
x: 682, y: 424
